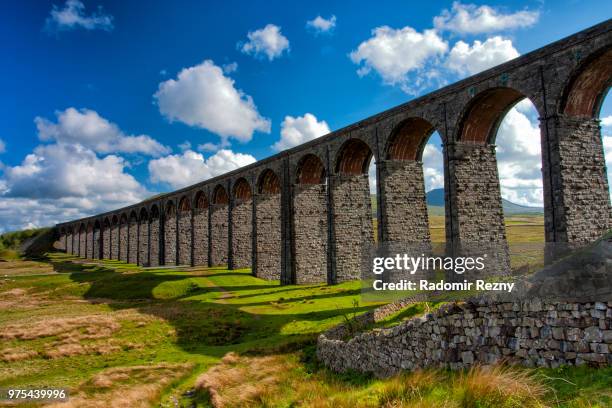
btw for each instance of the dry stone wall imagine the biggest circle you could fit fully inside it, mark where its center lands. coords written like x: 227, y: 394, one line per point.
x: 219, y: 230
x: 200, y: 236
x: 242, y: 226
x: 184, y: 236
x: 268, y: 210
x: 352, y: 224
x: 532, y: 333
x: 310, y: 233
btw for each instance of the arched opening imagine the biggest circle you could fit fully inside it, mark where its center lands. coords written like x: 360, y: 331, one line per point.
x: 219, y: 226
x: 352, y: 208
x: 184, y: 231
x: 133, y: 238
x: 268, y: 226
x: 154, y: 236
x: 106, y: 239
x: 97, y: 241
x: 115, y: 237
x: 143, y: 238
x: 310, y: 221
x: 82, y: 241
x: 123, y: 238
x: 242, y: 225
x: 413, y: 204
x: 170, y: 238
x: 200, y: 229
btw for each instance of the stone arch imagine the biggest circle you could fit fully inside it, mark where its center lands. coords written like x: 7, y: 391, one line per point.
x: 310, y: 170
x: 310, y: 220
x: 484, y: 114
x: 352, y: 209
x: 155, y: 236
x: 242, y: 225
x: 268, y: 182
x: 200, y: 229
x: 588, y: 86
x: 97, y: 240
x: 123, y: 237
x: 184, y: 231
x: 403, y: 203
x: 143, y: 237
x: 133, y: 237
x: 219, y: 226
x: 106, y: 238
x: 114, y: 237
x: 353, y: 157
x: 170, y: 231
x: 268, y: 240
x: 82, y: 240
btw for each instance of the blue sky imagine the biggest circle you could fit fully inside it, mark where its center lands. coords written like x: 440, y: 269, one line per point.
x: 101, y: 96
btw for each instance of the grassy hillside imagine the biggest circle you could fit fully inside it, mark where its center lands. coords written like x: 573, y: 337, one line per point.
x: 10, y: 242
x: 121, y: 335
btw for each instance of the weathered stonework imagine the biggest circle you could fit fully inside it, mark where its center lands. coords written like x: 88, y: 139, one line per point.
x: 200, y: 236
x: 133, y: 241
x: 96, y: 253
x: 170, y: 239
x: 82, y: 243
x: 310, y: 232
x: 69, y: 247
x: 106, y: 242
x: 531, y: 333
x: 123, y: 241
x: 218, y: 239
x: 115, y: 241
x: 475, y: 202
x: 579, y: 183
x: 155, y: 239
x: 184, y: 237
x: 242, y: 227
x: 353, y: 229
x: 89, y: 247
x: 268, y: 251
x: 404, y: 212
x: 143, y: 244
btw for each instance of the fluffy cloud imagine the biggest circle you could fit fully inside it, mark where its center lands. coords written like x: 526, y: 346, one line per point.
x: 433, y: 167
x: 267, y: 41
x: 180, y: 170
x: 204, y: 97
x: 322, y: 25
x: 2, y: 146
x: 466, y: 59
x: 295, y: 131
x: 470, y: 19
x: 60, y: 181
x: 72, y: 16
x: 87, y: 128
x: 393, y: 53
x: 607, y: 121
x: 519, y: 158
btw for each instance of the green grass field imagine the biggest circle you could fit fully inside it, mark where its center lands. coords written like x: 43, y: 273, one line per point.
x: 120, y: 335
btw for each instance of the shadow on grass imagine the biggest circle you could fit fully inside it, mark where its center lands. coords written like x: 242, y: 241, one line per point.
x: 210, y: 319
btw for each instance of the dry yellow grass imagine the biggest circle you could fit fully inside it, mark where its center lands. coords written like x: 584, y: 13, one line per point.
x: 133, y: 387
x: 68, y: 329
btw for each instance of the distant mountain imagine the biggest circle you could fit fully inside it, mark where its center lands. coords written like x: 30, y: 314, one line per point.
x: 435, y: 203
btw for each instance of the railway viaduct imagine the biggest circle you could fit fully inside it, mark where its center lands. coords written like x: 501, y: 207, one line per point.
x: 303, y: 215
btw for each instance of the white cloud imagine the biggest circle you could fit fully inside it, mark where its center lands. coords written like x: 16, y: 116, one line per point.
x: 607, y: 121
x: 202, y: 96
x: 180, y: 170
x: 2, y: 146
x: 394, y: 53
x: 519, y: 158
x: 186, y: 145
x: 433, y: 167
x: 470, y: 19
x: 322, y: 25
x: 88, y: 128
x: 59, y: 182
x: 72, y: 16
x: 231, y: 67
x: 298, y: 130
x: 268, y: 40
x: 208, y: 147
x: 466, y: 59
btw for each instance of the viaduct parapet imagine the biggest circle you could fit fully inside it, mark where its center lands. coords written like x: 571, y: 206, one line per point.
x: 304, y: 214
